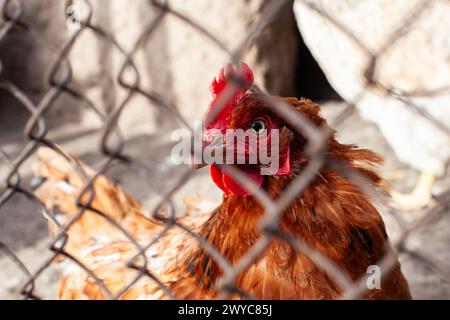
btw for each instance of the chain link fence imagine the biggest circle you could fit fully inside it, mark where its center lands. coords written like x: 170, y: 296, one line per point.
x: 112, y: 146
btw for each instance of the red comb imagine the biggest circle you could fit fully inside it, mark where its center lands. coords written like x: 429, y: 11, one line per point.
x: 244, y: 76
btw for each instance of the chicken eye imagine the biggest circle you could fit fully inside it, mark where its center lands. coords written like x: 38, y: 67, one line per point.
x: 258, y: 125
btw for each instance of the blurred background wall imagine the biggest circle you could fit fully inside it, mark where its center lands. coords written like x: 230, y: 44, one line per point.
x: 177, y: 62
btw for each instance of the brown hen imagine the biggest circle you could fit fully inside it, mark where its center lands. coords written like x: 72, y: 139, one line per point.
x: 333, y: 216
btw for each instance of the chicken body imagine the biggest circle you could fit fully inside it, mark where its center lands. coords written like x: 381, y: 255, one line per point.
x: 333, y: 216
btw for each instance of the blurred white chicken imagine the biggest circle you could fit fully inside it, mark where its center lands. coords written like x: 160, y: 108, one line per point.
x: 417, y: 61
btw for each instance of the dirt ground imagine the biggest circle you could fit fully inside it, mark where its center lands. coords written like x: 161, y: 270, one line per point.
x: 23, y: 228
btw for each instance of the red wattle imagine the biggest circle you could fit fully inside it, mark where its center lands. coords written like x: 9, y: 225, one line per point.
x: 228, y: 185
x: 216, y: 176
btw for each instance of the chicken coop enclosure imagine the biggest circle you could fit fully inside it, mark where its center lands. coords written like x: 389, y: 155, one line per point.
x: 107, y: 82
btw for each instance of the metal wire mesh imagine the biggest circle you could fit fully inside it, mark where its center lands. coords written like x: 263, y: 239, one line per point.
x: 36, y: 131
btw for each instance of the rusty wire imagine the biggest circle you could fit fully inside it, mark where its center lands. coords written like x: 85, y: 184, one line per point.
x: 36, y: 131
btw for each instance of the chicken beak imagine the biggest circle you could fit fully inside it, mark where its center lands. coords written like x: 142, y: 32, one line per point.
x: 196, y: 166
x: 198, y: 162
